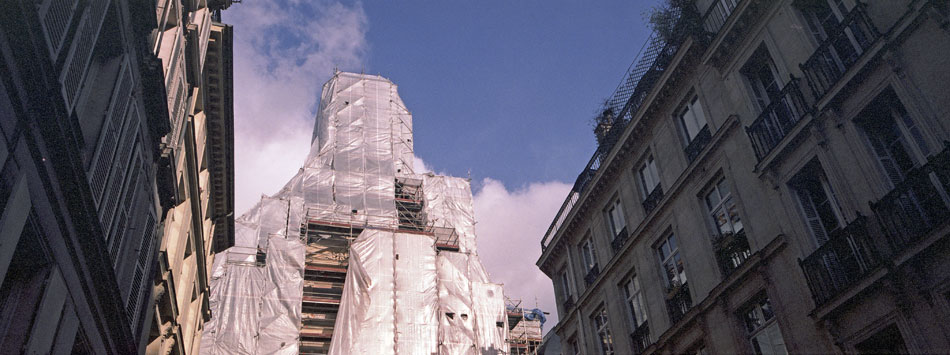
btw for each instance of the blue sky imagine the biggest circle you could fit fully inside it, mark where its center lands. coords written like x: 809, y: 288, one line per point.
x: 503, y: 90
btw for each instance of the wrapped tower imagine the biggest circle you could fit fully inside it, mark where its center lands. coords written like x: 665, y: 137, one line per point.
x: 357, y: 254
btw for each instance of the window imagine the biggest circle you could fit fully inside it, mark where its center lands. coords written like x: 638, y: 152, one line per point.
x: 615, y: 219
x: 671, y: 263
x: 817, y: 202
x: 566, y: 284
x: 587, y: 254
x: 691, y: 119
x: 649, y: 178
x: 634, y: 298
x: 885, y: 341
x: 723, y: 210
x: 762, y: 76
x: 575, y: 350
x: 764, y: 333
x: 894, y: 137
x: 822, y: 16
x: 602, y: 328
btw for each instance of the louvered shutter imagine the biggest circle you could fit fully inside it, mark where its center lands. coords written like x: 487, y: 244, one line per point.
x: 74, y: 70
x: 55, y: 16
x: 811, y: 217
x: 891, y: 170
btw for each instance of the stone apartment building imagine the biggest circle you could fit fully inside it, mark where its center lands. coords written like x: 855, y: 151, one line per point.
x: 90, y: 146
x: 196, y: 52
x: 772, y: 177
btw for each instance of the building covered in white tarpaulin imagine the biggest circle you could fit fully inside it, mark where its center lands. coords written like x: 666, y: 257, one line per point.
x: 357, y: 254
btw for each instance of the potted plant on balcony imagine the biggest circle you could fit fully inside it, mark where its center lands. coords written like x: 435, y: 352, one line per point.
x: 664, y: 18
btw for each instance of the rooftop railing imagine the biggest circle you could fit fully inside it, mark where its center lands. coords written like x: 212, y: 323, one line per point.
x: 626, y: 100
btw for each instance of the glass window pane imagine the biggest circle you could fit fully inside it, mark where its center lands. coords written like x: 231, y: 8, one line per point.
x: 712, y: 199
x: 723, y: 188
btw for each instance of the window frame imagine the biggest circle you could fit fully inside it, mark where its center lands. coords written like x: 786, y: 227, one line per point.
x: 755, y: 87
x: 766, y: 324
x: 602, y: 331
x: 913, y: 139
x: 648, y: 162
x: 631, y: 299
x: 799, y: 192
x: 588, y: 254
x: 692, y: 101
x: 726, y: 203
x: 566, y: 284
x: 616, y: 221
x: 680, y: 277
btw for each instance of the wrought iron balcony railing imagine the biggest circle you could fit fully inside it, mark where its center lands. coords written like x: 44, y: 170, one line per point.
x: 653, y: 199
x: 731, y: 251
x: 778, y: 119
x: 592, y: 275
x: 620, y: 239
x: 640, y: 338
x: 839, y: 51
x: 916, y: 206
x: 717, y: 14
x: 848, y: 255
x: 678, y: 302
x: 912, y: 210
x: 698, y: 143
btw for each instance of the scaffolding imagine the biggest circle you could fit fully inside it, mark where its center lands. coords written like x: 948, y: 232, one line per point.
x: 357, y: 254
x: 525, y: 327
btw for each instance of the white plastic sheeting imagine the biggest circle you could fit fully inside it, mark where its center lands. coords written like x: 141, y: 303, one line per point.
x: 256, y: 310
x: 401, y: 295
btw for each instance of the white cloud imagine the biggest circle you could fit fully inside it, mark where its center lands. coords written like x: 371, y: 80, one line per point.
x: 283, y: 53
x: 509, y: 228
x: 419, y: 166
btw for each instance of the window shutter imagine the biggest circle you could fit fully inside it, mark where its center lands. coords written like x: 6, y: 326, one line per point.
x: 912, y: 128
x: 74, y: 71
x: 775, y: 338
x: 55, y: 16
x: 811, y: 217
x: 887, y: 163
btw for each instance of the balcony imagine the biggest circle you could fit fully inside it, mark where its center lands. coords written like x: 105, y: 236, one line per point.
x: 717, y: 14
x: 678, y: 302
x: 914, y: 209
x: 620, y: 239
x: 640, y: 338
x: 840, y: 51
x: 916, y: 206
x: 653, y: 199
x: 778, y: 119
x: 848, y: 255
x: 731, y: 251
x: 592, y: 275
x: 698, y: 143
